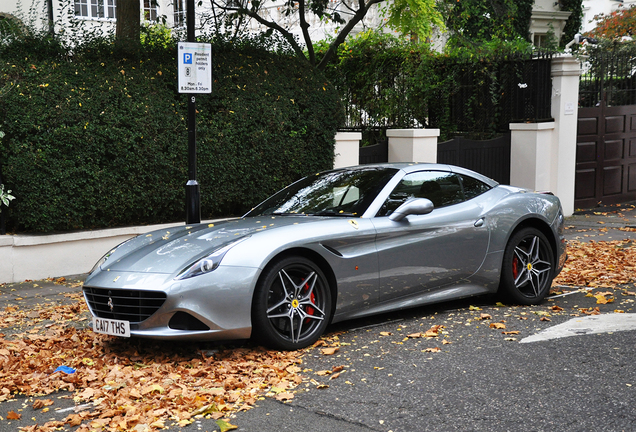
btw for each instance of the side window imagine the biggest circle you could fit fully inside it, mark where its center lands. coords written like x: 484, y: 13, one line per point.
x: 473, y: 187
x: 442, y: 188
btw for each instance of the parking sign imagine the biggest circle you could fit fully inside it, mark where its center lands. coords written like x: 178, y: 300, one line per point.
x: 194, y: 67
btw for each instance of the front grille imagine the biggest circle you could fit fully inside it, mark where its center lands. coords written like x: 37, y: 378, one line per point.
x: 123, y: 304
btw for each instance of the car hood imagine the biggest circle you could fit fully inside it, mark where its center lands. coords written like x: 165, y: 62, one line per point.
x: 171, y: 250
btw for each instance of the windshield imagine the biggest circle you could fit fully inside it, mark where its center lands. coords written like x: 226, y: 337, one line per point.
x: 333, y: 193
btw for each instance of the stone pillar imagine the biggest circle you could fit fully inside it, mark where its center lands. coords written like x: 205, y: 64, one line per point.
x: 530, y: 158
x: 566, y: 70
x: 413, y: 145
x: 543, y: 155
x: 347, y: 149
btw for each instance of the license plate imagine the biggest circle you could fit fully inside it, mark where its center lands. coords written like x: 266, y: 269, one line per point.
x: 111, y: 327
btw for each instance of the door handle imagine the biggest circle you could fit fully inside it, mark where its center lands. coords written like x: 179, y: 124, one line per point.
x: 479, y: 222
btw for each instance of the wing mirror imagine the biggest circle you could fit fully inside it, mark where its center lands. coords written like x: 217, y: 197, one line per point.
x: 417, y: 206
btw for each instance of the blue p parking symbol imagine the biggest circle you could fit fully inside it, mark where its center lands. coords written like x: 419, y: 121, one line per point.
x: 187, y: 58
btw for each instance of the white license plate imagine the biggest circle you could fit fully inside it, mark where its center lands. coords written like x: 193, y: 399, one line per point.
x: 111, y: 327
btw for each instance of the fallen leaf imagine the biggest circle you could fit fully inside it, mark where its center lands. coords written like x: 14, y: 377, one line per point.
x: 497, y: 326
x: 284, y: 396
x: 329, y: 351
x: 225, y: 426
x: 12, y: 415
x: 41, y: 403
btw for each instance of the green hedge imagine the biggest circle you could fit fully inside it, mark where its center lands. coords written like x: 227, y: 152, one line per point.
x: 98, y: 138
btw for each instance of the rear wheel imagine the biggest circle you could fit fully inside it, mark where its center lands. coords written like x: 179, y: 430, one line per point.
x: 527, y: 270
x: 292, y: 304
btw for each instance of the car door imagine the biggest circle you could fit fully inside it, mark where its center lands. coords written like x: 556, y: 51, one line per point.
x: 423, y: 252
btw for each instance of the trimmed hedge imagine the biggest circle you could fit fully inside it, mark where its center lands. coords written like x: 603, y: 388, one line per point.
x: 97, y: 138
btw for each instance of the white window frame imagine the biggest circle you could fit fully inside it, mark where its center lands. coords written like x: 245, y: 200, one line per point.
x: 96, y: 9
x: 179, y: 15
x: 150, y: 10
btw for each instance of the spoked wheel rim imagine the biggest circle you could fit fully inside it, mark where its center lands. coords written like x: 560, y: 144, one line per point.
x: 297, y: 303
x: 531, y: 267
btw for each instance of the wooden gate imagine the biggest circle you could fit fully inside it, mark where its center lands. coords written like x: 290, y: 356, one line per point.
x: 606, y: 136
x: 605, y: 155
x: 490, y: 157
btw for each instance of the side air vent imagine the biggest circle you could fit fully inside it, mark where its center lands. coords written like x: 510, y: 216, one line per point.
x: 332, y: 250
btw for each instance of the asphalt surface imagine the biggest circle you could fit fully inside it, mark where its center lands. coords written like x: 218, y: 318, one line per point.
x: 480, y: 379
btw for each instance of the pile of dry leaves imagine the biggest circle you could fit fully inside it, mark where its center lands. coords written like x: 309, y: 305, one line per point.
x: 126, y: 388
x: 599, y: 264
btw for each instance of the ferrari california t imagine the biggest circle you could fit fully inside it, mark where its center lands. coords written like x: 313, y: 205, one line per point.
x: 332, y: 246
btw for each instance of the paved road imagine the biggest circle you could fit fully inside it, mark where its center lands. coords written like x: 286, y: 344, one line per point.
x: 481, y: 379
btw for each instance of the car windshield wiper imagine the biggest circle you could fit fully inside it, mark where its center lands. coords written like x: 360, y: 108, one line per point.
x: 332, y: 213
x: 287, y: 214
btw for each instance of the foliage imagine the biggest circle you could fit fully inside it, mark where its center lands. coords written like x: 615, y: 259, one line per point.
x: 574, y: 22
x: 408, y: 17
x: 96, y: 138
x: 413, y: 17
x: 156, y: 35
x: 386, y: 81
x: 473, y: 22
x: 620, y: 23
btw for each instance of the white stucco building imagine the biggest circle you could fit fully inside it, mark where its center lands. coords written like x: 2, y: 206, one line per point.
x: 94, y: 14
x: 546, y: 15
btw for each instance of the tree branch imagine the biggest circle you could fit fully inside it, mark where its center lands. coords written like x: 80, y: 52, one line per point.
x: 304, y: 26
x: 361, y: 12
x: 269, y: 24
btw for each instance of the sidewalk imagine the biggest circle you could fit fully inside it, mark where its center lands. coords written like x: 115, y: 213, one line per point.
x: 613, y: 222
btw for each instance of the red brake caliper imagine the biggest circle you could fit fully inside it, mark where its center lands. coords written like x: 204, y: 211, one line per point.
x: 515, y: 267
x: 309, y: 309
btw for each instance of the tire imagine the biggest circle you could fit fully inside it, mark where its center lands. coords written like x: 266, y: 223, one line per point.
x: 528, y: 267
x: 292, y: 304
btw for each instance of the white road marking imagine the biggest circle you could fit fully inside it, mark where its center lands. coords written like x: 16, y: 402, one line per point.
x: 593, y: 324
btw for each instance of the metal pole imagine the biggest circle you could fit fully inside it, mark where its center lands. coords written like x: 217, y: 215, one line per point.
x: 193, y: 195
x: 3, y: 229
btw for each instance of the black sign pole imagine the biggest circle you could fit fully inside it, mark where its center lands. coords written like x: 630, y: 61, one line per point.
x: 193, y: 195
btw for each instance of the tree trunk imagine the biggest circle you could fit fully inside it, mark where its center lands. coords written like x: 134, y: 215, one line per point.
x: 128, y: 24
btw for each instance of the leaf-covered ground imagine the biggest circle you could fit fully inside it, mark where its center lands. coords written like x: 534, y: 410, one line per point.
x: 124, y: 385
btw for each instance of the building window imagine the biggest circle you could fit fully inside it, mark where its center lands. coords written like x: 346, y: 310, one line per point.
x: 111, y: 8
x: 179, y: 13
x: 95, y: 8
x: 81, y: 8
x: 150, y: 10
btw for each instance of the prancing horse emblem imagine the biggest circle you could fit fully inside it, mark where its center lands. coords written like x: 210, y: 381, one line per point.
x: 111, y: 305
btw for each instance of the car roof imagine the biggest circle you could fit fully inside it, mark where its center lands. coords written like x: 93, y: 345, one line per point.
x: 409, y: 167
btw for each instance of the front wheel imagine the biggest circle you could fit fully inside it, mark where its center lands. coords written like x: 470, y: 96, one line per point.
x: 527, y: 270
x: 292, y: 304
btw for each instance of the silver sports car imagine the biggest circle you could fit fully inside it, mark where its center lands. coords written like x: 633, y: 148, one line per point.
x: 333, y: 246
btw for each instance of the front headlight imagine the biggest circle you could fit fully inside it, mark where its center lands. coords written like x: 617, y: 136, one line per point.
x: 108, y: 254
x: 208, y: 263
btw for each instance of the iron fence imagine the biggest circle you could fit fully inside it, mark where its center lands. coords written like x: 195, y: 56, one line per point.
x: 474, y: 99
x: 608, y: 76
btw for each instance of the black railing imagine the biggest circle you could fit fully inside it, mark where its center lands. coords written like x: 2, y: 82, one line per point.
x: 608, y: 76
x: 488, y: 157
x: 478, y: 99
